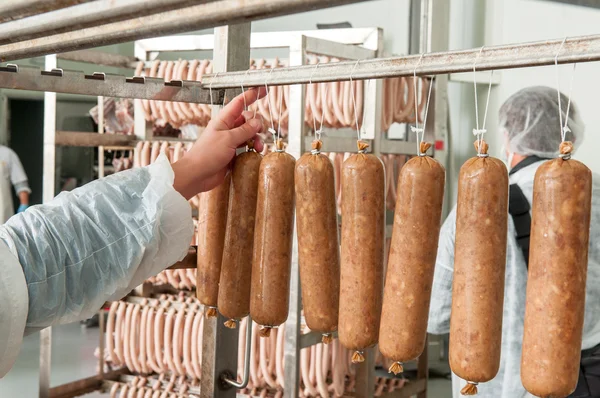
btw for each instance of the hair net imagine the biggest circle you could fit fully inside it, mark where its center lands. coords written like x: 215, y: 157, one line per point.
x: 530, y: 118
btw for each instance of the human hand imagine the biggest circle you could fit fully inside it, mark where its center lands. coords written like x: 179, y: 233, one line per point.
x: 207, y: 163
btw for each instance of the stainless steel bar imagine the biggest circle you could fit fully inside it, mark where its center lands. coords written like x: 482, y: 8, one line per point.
x: 575, y: 49
x: 296, y: 135
x: 312, y: 338
x: 187, y: 19
x: 74, y: 138
x: 233, y: 382
x: 84, y: 386
x: 87, y: 15
x: 15, y: 9
x: 99, y: 58
x: 219, y: 344
x: 76, y: 82
x: 48, y: 192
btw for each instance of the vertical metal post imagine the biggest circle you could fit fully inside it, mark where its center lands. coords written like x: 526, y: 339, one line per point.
x: 219, y: 344
x: 139, y: 119
x: 295, y: 147
x: 48, y: 192
x: 100, y: 131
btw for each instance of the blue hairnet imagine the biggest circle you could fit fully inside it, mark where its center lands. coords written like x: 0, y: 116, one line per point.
x: 530, y: 118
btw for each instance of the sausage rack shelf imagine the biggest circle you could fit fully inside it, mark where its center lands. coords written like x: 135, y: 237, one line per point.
x: 231, y: 51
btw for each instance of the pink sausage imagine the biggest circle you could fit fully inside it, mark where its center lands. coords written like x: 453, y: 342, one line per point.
x: 134, y: 338
x: 143, y: 333
x: 155, y: 151
x: 178, y: 341
x: 196, y: 333
x: 110, y: 332
x: 187, y: 332
x: 158, y: 338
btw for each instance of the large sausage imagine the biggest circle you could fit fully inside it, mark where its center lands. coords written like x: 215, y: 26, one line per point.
x: 479, y: 263
x: 318, y: 243
x: 272, y: 257
x: 363, y: 230
x: 411, y: 260
x: 558, y: 259
x: 236, y: 267
x: 212, y: 222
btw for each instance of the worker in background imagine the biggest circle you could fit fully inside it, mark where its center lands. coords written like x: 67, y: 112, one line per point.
x: 62, y: 260
x: 11, y: 171
x: 529, y: 121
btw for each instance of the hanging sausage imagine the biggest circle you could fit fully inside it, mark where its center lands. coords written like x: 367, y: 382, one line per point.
x: 363, y: 229
x: 558, y: 259
x: 236, y: 267
x: 318, y: 243
x: 411, y: 261
x: 212, y: 222
x: 273, y: 236
x: 479, y: 264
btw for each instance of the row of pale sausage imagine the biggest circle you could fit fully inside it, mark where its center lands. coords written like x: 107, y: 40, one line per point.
x: 328, y: 103
x: 153, y: 337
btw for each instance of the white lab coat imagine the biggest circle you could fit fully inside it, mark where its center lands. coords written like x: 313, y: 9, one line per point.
x: 11, y: 171
x: 61, y: 261
x: 507, y: 383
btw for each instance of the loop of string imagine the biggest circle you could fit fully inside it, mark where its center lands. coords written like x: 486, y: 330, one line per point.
x: 479, y: 132
x: 317, y: 132
x: 425, y: 116
x: 242, y: 84
x: 272, y: 128
x: 354, y: 101
x: 420, y: 131
x: 564, y: 128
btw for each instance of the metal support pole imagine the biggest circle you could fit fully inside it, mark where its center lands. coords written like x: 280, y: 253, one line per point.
x: 219, y: 344
x: 100, y: 131
x: 48, y: 192
x: 188, y: 19
x: 296, y: 133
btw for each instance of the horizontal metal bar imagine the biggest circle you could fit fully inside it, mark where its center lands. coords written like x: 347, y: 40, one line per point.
x: 87, y: 15
x: 223, y: 12
x: 107, y: 85
x: 75, y: 138
x: 575, y: 49
x: 11, y: 10
x: 348, y: 144
x: 99, y: 58
x: 337, y: 50
x: 311, y: 338
x: 84, y: 386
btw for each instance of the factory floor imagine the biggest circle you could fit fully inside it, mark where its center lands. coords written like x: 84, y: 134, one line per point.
x: 73, y: 358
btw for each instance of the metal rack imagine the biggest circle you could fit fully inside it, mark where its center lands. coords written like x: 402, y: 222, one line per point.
x: 232, y: 53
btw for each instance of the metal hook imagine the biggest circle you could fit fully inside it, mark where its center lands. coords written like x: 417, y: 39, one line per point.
x: 246, y: 377
x: 354, y: 99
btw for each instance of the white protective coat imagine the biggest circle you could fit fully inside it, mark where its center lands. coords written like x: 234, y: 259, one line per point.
x: 64, y: 259
x: 507, y: 383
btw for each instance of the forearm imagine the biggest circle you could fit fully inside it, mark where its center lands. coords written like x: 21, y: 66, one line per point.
x: 24, y: 197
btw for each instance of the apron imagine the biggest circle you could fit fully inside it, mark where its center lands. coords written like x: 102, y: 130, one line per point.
x: 6, y: 202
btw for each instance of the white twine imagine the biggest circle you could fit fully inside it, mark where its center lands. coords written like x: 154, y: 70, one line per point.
x: 564, y: 128
x: 354, y: 100
x: 269, y: 100
x: 420, y: 131
x: 479, y: 132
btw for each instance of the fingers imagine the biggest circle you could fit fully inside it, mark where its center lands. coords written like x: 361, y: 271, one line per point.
x: 239, y: 135
x: 234, y: 109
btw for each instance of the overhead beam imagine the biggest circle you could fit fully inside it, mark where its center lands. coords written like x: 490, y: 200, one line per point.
x: 86, y: 15
x: 11, y: 10
x: 203, y: 16
x: 99, y: 58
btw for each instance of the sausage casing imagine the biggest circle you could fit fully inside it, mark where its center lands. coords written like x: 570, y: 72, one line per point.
x: 236, y: 267
x: 212, y: 222
x: 411, y: 261
x: 479, y: 264
x: 273, y: 236
x: 318, y: 242
x: 362, y: 247
x: 558, y: 259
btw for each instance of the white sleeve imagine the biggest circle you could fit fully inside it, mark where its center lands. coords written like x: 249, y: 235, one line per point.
x: 441, y: 292
x: 17, y: 173
x: 13, y: 311
x: 98, y: 242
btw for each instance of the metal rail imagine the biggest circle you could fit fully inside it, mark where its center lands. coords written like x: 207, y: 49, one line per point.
x: 177, y: 21
x: 541, y: 53
x: 76, y: 82
x: 99, y: 58
x: 16, y: 9
x: 88, y: 15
